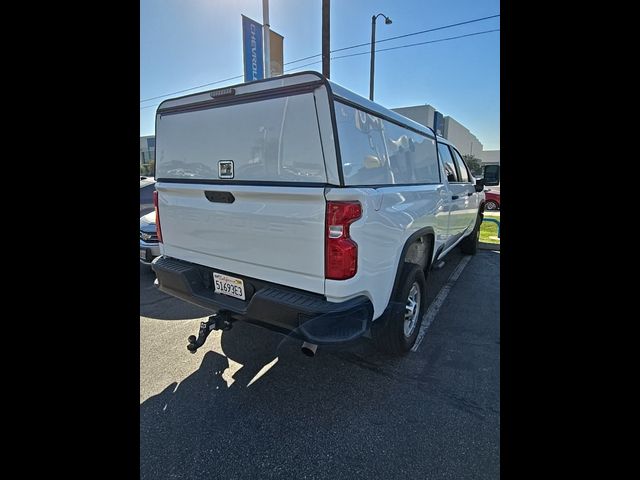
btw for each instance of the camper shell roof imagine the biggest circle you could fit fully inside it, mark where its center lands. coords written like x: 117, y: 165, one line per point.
x: 284, y: 83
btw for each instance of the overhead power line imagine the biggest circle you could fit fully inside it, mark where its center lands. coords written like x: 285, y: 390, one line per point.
x: 396, y: 37
x: 378, y: 51
x: 398, y: 47
x: 320, y: 54
x: 416, y: 44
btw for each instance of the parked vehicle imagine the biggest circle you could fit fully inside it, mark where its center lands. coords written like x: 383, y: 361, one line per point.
x: 147, y: 187
x: 492, y: 177
x: 297, y: 205
x: 492, y: 200
x: 149, y: 244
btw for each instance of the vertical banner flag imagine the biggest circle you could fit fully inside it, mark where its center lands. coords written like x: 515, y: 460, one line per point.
x: 276, y: 53
x: 252, y: 49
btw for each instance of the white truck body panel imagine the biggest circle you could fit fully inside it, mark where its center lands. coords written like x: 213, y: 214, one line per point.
x: 269, y: 233
x: 381, y: 235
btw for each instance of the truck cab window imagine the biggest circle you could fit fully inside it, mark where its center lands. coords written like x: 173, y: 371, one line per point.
x: 462, y: 168
x: 447, y: 162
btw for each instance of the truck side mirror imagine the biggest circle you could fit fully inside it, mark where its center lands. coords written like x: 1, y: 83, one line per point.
x: 479, y: 184
x: 491, y: 175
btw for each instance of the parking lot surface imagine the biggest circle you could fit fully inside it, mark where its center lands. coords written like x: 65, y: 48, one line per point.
x: 248, y: 404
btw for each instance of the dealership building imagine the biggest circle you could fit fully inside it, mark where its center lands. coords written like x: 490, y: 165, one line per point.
x: 490, y: 157
x: 147, y: 150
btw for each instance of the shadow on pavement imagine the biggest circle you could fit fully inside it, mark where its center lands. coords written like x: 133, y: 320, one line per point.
x: 216, y: 423
x: 160, y: 306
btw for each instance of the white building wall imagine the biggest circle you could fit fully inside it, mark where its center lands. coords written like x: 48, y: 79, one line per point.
x: 490, y: 156
x: 465, y: 141
x: 423, y: 114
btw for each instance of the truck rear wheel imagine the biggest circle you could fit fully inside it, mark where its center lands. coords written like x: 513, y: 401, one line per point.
x: 400, y: 329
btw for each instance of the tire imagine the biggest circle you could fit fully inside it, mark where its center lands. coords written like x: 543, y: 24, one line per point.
x: 397, y: 334
x: 469, y: 246
x: 491, y: 205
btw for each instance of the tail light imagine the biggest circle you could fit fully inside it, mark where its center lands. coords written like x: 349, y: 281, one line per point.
x: 155, y: 204
x: 341, y: 252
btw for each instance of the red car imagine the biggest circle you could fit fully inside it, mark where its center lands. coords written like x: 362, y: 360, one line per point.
x: 493, y: 200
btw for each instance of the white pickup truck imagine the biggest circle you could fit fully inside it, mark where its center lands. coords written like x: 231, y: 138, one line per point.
x: 295, y: 204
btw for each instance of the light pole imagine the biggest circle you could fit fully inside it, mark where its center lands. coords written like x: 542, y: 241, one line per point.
x: 326, y: 48
x: 387, y: 21
x: 267, y: 39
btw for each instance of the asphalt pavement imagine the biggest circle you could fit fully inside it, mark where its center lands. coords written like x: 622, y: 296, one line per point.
x: 248, y: 404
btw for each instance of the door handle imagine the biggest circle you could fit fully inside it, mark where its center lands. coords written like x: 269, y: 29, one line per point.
x: 454, y: 197
x: 220, y: 197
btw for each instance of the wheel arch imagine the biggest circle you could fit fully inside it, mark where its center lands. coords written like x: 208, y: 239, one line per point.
x: 408, y: 252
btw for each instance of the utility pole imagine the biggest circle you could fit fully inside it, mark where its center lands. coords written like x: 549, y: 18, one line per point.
x: 267, y: 37
x: 373, y: 56
x: 325, y: 38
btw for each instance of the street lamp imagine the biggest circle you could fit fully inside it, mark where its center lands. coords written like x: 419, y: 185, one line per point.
x: 387, y: 21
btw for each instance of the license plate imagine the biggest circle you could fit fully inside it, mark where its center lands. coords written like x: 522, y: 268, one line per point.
x: 143, y: 254
x: 226, y: 285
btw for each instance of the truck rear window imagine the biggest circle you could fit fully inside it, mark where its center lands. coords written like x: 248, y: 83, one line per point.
x: 273, y: 140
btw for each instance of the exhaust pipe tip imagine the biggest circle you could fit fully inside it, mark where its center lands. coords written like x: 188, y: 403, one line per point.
x: 309, y: 349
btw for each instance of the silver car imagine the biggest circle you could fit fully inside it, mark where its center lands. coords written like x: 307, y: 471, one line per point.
x: 147, y: 187
x: 149, y: 246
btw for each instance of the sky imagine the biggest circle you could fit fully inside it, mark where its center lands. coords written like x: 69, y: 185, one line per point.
x: 186, y: 43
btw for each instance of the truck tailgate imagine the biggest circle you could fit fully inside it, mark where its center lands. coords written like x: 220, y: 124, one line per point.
x: 274, y: 233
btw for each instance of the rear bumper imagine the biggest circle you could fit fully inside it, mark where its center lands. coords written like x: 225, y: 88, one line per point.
x: 301, y: 314
x: 148, y: 251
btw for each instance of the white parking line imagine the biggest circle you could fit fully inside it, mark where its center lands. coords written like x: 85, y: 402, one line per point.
x: 434, y: 308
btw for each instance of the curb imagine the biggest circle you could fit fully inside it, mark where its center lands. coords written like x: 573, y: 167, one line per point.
x: 489, y: 246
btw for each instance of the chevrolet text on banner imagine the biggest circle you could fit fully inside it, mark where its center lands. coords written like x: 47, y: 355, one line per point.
x: 252, y: 49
